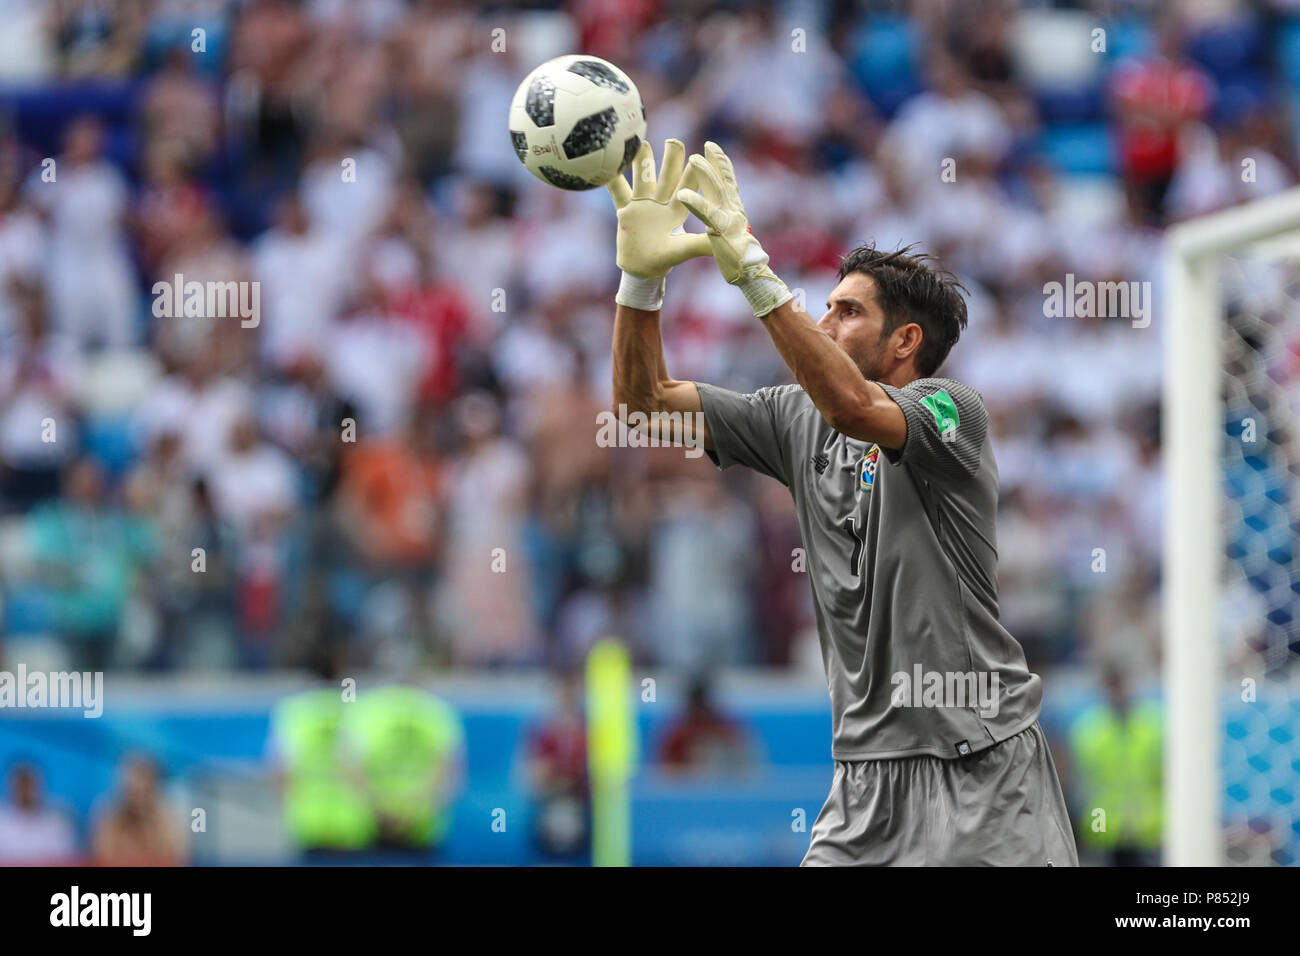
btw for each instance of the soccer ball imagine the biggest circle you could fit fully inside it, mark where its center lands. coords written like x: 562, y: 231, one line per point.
x: 576, y: 122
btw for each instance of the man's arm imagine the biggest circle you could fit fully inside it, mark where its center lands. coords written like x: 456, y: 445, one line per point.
x: 641, y: 382
x: 851, y: 404
x: 650, y: 243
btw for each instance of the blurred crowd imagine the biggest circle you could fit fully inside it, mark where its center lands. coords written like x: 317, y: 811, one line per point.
x: 134, y: 824
x: 370, y: 777
x: 398, y: 457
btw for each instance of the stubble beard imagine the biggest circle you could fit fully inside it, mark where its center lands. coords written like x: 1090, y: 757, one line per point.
x: 871, y: 361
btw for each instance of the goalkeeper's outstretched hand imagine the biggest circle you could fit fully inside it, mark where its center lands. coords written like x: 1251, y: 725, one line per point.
x: 650, y: 216
x: 740, y: 258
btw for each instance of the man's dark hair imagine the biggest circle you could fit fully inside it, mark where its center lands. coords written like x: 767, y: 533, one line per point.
x: 910, y: 289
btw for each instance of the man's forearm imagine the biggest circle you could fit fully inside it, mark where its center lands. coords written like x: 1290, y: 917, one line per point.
x: 639, y: 368
x: 850, y: 403
x: 641, y: 383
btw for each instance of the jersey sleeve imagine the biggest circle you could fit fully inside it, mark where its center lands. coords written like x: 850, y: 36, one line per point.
x: 747, y: 429
x: 947, y: 426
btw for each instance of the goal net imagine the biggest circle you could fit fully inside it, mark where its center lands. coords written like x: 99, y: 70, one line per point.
x: 1232, y: 537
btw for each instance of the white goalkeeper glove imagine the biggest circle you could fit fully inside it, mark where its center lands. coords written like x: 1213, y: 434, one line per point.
x: 740, y: 258
x: 650, y: 236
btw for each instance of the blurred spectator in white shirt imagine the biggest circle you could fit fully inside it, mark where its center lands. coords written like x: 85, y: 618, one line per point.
x: 199, y: 404
x: 479, y: 251
x: 375, y: 361
x: 32, y: 831
x: 22, y: 241
x: 89, y: 269
x: 949, y: 120
x: 487, y: 588
x: 346, y: 188
x: 486, y: 86
x: 304, y: 275
x: 254, y: 484
x: 39, y: 373
x: 702, y: 563
x: 1223, y: 170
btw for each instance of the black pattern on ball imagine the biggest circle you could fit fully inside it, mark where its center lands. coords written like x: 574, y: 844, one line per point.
x: 521, y: 144
x: 590, y: 133
x: 540, y: 104
x: 557, y: 178
x: 599, y: 74
x: 630, y: 146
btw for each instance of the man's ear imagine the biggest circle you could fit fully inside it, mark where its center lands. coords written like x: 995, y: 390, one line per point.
x: 907, y: 341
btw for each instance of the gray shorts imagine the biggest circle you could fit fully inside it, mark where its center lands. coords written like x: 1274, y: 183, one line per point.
x: 999, y: 807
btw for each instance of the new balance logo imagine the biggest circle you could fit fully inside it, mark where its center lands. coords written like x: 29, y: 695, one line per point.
x: 820, y: 462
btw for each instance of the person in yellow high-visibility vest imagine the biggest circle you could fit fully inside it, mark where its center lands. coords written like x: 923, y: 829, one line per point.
x: 408, y: 748
x: 1117, y: 751
x: 325, y: 811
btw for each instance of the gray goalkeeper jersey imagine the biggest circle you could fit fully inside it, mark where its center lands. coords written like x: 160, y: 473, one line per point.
x: 901, y: 553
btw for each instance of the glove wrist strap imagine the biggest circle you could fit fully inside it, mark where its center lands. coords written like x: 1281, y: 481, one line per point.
x: 641, y: 292
x: 764, y: 292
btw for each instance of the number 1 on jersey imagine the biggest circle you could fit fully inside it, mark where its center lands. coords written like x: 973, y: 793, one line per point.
x: 855, y: 562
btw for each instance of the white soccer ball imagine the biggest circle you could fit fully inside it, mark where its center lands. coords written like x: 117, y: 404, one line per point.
x: 577, y: 121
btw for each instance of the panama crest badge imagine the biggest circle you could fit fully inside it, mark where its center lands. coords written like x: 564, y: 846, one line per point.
x: 867, y: 468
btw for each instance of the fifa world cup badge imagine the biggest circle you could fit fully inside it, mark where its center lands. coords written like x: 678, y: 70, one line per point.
x: 867, y: 468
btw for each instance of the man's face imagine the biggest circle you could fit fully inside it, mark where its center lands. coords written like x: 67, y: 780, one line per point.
x: 26, y: 788
x: 856, y: 324
x: 141, y: 782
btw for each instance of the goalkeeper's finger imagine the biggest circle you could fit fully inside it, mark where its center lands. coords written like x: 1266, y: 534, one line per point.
x: 708, y: 213
x: 619, y: 191
x: 643, y: 172
x: 702, y: 178
x: 722, y: 163
x: 671, y: 169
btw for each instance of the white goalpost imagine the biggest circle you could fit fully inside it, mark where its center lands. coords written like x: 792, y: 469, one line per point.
x: 1194, y: 538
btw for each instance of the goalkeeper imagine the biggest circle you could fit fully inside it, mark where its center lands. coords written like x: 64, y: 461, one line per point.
x: 939, y: 757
